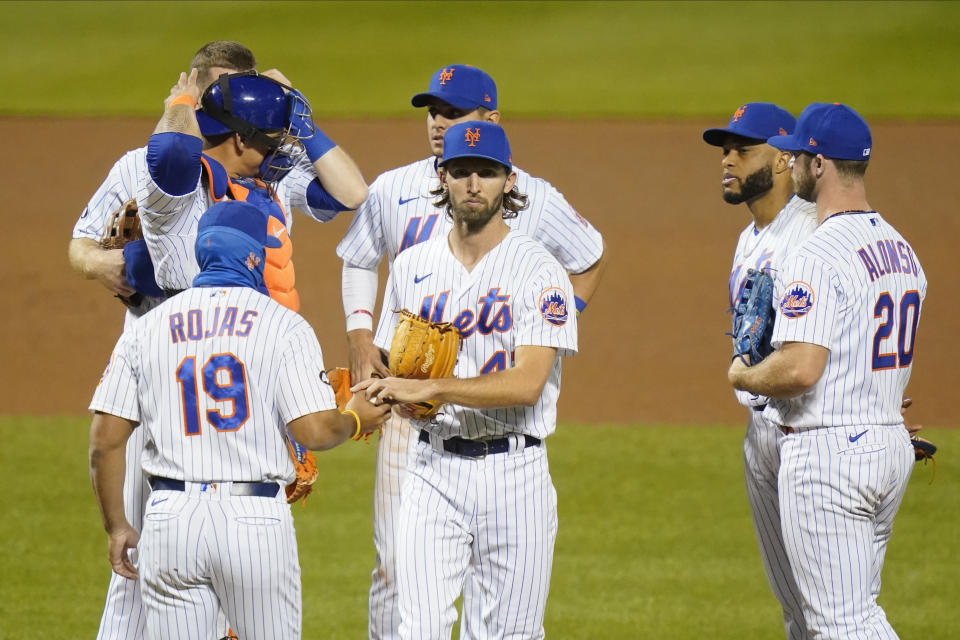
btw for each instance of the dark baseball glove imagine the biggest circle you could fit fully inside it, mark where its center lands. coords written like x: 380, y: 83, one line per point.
x: 922, y: 449
x: 753, y: 318
x: 423, y: 350
x: 123, y: 227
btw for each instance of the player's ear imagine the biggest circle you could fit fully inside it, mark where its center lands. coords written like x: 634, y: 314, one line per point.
x: 782, y: 162
x: 511, y: 181
x: 493, y: 116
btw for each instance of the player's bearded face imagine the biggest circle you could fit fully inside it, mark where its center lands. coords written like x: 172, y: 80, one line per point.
x: 754, y: 185
x: 804, y: 184
x: 476, y: 188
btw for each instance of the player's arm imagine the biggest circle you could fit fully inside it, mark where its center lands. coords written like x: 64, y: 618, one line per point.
x: 93, y: 262
x: 324, y: 430
x: 586, y: 282
x: 520, y: 385
x: 107, y: 454
x: 787, y: 372
x: 359, y: 294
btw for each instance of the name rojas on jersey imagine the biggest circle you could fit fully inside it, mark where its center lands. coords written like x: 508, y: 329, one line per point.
x: 213, y: 375
x: 517, y: 295
x: 399, y: 213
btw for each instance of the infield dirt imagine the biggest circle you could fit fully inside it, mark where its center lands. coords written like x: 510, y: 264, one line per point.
x: 652, y: 344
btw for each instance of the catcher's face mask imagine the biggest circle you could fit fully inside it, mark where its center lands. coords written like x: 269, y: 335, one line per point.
x: 259, y: 109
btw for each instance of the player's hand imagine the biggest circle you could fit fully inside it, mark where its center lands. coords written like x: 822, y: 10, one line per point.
x: 275, y: 74
x: 110, y: 269
x: 366, y: 359
x: 187, y: 83
x: 118, y: 545
x: 396, y: 390
x: 912, y: 429
x: 371, y: 415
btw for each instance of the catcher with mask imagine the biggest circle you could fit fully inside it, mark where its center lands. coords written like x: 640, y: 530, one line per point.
x: 253, y: 139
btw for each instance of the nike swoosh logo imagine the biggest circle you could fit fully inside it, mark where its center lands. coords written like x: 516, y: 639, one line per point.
x: 856, y: 437
x: 158, y: 501
x: 417, y: 280
x: 403, y: 202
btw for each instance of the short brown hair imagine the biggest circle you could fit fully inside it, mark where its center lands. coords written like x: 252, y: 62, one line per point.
x: 851, y: 168
x: 221, y: 53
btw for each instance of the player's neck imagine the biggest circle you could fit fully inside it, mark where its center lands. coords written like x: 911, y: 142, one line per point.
x: 840, y: 198
x: 765, y: 208
x: 469, y: 245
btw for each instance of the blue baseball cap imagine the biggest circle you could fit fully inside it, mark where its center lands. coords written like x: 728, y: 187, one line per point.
x: 758, y: 120
x: 233, y: 216
x: 832, y: 130
x: 461, y: 85
x: 477, y: 139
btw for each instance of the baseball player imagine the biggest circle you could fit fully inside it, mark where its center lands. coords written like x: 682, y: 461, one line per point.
x: 122, y: 614
x: 215, y: 376
x: 755, y: 173
x: 251, y: 133
x: 848, y: 302
x: 399, y: 214
x: 478, y: 495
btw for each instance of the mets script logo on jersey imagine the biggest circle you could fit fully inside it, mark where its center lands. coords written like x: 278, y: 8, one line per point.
x: 553, y: 306
x: 494, y: 313
x: 472, y: 136
x: 739, y: 113
x: 446, y: 74
x: 797, y: 300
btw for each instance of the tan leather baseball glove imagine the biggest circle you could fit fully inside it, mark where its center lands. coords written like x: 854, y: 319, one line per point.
x: 423, y: 350
x: 306, y: 467
x: 122, y: 227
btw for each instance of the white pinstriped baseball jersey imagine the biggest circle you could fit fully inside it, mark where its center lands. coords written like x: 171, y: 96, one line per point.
x: 516, y: 296
x: 213, y: 375
x: 766, y: 249
x: 170, y: 222
x: 855, y: 287
x: 119, y: 186
x: 399, y: 213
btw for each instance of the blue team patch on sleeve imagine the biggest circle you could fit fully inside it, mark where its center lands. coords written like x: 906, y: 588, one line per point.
x: 553, y: 306
x: 797, y: 299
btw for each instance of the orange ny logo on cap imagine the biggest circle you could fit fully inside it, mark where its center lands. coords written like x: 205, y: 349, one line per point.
x: 739, y: 113
x: 446, y: 74
x: 472, y: 136
x: 812, y: 143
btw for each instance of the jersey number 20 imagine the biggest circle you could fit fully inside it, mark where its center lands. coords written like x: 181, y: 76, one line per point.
x: 909, y: 316
x: 228, y: 386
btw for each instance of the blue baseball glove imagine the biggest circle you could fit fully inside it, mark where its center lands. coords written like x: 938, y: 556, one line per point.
x: 753, y: 318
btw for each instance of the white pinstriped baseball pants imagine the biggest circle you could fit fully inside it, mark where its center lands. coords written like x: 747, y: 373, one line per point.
x: 761, y: 463
x: 839, y: 495
x: 496, y: 516
x: 203, y: 549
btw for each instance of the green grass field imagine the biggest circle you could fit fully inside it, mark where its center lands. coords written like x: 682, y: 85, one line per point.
x: 550, y: 59
x: 655, y: 539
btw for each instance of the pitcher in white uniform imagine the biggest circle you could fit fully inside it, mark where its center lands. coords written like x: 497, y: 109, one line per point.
x: 758, y: 175
x: 399, y: 214
x: 848, y: 302
x: 216, y: 376
x: 477, y: 497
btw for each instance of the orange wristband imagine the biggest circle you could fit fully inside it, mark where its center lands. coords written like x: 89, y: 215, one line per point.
x: 184, y: 98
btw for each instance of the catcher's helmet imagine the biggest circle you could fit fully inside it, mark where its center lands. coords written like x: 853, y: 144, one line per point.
x: 253, y: 106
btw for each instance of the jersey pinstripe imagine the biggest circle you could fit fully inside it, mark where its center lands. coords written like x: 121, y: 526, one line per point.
x: 399, y: 213
x: 170, y: 222
x: 213, y: 375
x: 119, y: 186
x: 497, y: 308
x: 767, y: 249
x: 855, y: 287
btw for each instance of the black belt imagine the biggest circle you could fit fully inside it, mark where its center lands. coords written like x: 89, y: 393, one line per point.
x: 478, y: 448
x: 258, y: 489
